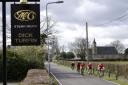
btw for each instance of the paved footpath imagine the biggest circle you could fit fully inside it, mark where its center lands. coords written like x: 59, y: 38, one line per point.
x: 68, y: 77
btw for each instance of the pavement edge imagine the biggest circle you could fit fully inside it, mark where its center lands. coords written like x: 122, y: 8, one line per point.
x: 56, y: 78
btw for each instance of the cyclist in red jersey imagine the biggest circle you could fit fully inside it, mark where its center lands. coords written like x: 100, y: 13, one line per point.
x: 90, y: 68
x: 82, y: 67
x: 78, y: 66
x: 101, y: 69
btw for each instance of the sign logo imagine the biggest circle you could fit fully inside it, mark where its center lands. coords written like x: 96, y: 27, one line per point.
x: 25, y: 15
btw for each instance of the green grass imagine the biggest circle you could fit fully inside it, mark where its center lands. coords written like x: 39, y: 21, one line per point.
x: 119, y: 81
x: 112, y: 78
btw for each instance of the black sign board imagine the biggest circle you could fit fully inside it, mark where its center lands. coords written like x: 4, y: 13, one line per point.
x: 25, y: 24
x: 18, y: 0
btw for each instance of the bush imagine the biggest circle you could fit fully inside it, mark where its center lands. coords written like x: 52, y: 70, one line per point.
x: 16, y: 68
x: 70, y: 55
x: 18, y: 65
x: 32, y: 64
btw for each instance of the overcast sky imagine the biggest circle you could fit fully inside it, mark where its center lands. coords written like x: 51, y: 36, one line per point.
x: 107, y: 20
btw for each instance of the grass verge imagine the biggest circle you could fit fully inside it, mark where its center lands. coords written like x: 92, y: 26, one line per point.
x: 119, y: 81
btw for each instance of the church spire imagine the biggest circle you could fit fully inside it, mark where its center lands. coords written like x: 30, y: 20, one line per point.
x: 94, y: 42
x: 94, y: 50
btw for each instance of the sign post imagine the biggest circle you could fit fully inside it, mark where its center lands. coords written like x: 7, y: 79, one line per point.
x: 4, y: 36
x: 4, y: 43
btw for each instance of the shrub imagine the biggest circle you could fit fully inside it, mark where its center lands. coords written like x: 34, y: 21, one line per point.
x: 18, y: 65
x: 16, y: 68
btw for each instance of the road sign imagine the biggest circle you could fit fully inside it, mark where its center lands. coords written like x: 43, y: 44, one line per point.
x: 18, y: 0
x: 25, y: 24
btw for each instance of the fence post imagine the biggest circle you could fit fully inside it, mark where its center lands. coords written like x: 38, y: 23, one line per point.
x: 93, y: 70
x: 109, y: 73
x: 117, y: 72
x: 126, y: 71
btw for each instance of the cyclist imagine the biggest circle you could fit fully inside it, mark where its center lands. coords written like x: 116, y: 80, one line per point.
x: 78, y: 66
x: 90, y: 68
x: 82, y: 67
x: 72, y: 65
x: 101, y: 69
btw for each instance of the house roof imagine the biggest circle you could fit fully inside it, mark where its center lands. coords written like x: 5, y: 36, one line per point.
x: 106, y: 50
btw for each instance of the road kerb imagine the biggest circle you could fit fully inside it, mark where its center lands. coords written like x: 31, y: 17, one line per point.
x: 111, y: 82
x: 56, y: 79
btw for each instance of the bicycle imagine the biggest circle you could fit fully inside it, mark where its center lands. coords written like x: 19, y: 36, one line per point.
x: 90, y: 72
x: 101, y: 73
x: 90, y: 69
x: 72, y: 66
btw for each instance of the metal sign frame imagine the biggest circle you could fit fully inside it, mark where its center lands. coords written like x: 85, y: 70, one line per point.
x: 4, y: 37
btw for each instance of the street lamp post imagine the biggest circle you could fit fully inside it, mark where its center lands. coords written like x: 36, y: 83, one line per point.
x: 57, y: 2
x: 87, y: 42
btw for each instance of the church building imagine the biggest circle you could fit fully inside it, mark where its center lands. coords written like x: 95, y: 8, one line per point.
x: 102, y: 52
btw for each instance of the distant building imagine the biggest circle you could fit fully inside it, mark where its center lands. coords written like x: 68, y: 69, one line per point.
x: 102, y: 52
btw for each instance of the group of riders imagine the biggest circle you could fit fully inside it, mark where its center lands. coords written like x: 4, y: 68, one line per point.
x: 89, y: 67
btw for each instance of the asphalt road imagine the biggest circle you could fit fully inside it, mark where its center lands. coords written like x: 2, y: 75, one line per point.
x: 68, y: 77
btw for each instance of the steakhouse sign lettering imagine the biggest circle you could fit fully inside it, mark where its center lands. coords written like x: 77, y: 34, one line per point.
x: 25, y: 24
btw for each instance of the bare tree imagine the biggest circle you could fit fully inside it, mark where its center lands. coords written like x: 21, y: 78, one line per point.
x: 79, y: 47
x: 56, y: 46
x: 118, y: 45
x: 48, y: 31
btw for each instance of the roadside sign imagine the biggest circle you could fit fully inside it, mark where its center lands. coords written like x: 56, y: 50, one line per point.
x: 25, y: 24
x: 4, y: 34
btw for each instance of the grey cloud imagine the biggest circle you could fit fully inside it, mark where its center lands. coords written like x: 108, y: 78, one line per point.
x: 118, y: 33
x: 66, y: 11
x: 115, y: 8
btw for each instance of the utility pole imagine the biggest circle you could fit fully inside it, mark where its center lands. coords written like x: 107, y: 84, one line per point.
x: 87, y: 42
